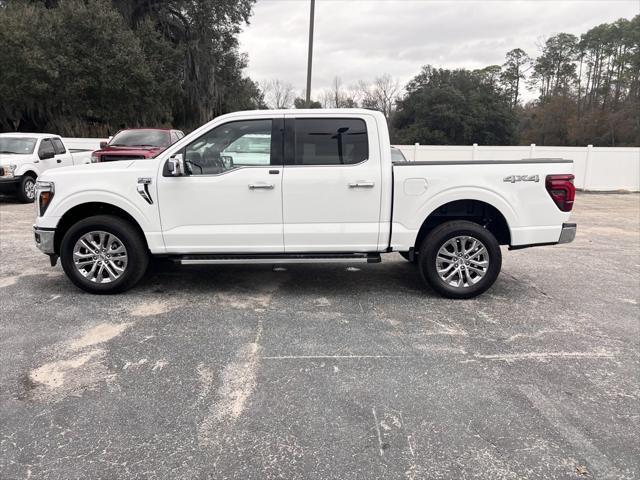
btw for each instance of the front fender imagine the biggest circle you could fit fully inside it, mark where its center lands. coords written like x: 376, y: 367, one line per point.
x: 27, y: 167
x: 144, y: 219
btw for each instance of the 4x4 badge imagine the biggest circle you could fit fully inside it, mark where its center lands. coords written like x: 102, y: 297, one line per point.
x: 521, y: 178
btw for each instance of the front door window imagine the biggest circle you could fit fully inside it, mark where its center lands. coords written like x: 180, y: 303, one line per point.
x: 230, y: 146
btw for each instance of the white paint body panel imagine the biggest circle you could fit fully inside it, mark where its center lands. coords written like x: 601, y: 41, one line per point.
x: 530, y: 212
x: 220, y: 213
x: 311, y: 208
x: 322, y: 213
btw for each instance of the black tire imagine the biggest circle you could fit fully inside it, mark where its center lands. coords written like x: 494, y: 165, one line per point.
x: 405, y: 255
x: 448, y: 231
x: 26, y: 189
x: 136, y: 250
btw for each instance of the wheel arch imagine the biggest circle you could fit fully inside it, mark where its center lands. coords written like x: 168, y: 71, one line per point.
x: 90, y: 209
x: 478, y: 211
x: 27, y: 169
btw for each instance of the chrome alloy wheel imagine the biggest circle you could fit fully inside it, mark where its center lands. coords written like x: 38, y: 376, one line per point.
x: 100, y: 257
x: 462, y: 261
x: 30, y: 188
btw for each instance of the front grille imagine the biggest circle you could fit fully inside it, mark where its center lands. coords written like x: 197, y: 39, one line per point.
x: 115, y: 158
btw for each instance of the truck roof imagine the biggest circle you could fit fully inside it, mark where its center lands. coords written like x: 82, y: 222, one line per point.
x: 30, y: 135
x: 320, y: 111
x: 148, y: 128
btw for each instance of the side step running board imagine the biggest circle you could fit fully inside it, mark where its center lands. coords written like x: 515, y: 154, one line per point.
x: 279, y: 258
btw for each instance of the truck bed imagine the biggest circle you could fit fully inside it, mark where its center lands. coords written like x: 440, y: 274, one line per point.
x: 516, y: 188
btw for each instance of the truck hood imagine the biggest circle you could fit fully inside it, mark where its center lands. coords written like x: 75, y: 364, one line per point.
x: 85, y: 169
x: 146, y: 151
x: 15, y: 159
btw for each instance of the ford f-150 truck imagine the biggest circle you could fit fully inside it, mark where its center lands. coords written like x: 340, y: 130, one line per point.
x: 136, y: 143
x: 25, y: 156
x: 299, y: 186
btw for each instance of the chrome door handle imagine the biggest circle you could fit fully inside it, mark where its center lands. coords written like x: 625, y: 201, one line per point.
x: 362, y: 185
x: 263, y: 186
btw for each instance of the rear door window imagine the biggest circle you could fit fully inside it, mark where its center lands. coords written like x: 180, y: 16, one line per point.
x: 330, y: 141
x: 58, y: 146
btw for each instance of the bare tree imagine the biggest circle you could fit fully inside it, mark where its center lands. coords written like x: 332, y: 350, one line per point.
x: 337, y: 96
x: 381, y: 95
x: 278, y: 94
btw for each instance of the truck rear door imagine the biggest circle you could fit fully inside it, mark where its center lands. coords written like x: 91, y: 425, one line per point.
x: 331, y: 183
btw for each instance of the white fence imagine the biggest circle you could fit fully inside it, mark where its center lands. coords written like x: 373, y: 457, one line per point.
x: 83, y: 143
x: 595, y: 168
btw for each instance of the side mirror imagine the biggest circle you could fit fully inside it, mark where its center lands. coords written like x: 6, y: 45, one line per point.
x: 103, y: 144
x: 175, y: 165
x: 46, y: 155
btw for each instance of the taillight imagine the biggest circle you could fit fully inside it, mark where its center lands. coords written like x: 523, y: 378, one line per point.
x: 562, y: 190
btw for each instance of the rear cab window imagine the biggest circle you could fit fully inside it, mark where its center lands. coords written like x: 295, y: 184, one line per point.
x: 330, y: 141
x: 46, y: 147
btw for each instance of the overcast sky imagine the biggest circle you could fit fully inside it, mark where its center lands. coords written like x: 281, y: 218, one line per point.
x: 362, y: 39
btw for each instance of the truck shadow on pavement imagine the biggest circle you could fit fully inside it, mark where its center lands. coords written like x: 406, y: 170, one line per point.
x: 388, y: 278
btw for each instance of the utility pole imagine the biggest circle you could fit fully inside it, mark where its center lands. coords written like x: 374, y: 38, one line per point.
x: 310, y: 57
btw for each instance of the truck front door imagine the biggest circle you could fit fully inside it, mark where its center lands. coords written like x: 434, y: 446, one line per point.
x: 332, y: 184
x: 230, y: 200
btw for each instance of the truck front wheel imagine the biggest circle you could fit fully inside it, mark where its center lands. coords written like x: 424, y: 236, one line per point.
x: 27, y: 189
x: 104, y: 254
x: 460, y: 259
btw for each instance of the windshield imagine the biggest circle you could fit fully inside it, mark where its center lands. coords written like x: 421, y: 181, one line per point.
x: 17, y: 145
x: 141, y: 138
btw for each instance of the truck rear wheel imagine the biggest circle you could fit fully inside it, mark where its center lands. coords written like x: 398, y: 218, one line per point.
x: 27, y: 189
x: 104, y: 254
x: 460, y: 259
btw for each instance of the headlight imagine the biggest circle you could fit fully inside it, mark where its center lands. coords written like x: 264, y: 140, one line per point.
x: 44, y: 195
x: 95, y: 158
x: 8, y: 170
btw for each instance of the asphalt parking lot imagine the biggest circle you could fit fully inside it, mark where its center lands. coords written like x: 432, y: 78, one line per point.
x: 327, y: 372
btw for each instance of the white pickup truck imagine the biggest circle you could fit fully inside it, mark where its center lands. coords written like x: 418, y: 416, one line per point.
x: 25, y: 156
x: 323, y: 188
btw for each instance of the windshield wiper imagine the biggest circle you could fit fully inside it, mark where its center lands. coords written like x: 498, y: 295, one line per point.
x: 6, y: 151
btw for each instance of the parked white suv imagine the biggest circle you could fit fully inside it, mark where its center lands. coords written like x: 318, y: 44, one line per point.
x: 327, y: 192
x: 25, y: 156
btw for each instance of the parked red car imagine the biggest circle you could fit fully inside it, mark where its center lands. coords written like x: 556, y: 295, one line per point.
x: 136, y: 143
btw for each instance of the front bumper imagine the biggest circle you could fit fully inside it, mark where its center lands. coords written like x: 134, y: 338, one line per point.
x: 9, y: 184
x: 44, y: 239
x: 568, y: 233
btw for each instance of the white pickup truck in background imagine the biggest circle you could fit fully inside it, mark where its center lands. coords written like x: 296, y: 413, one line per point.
x: 299, y: 186
x: 25, y: 156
